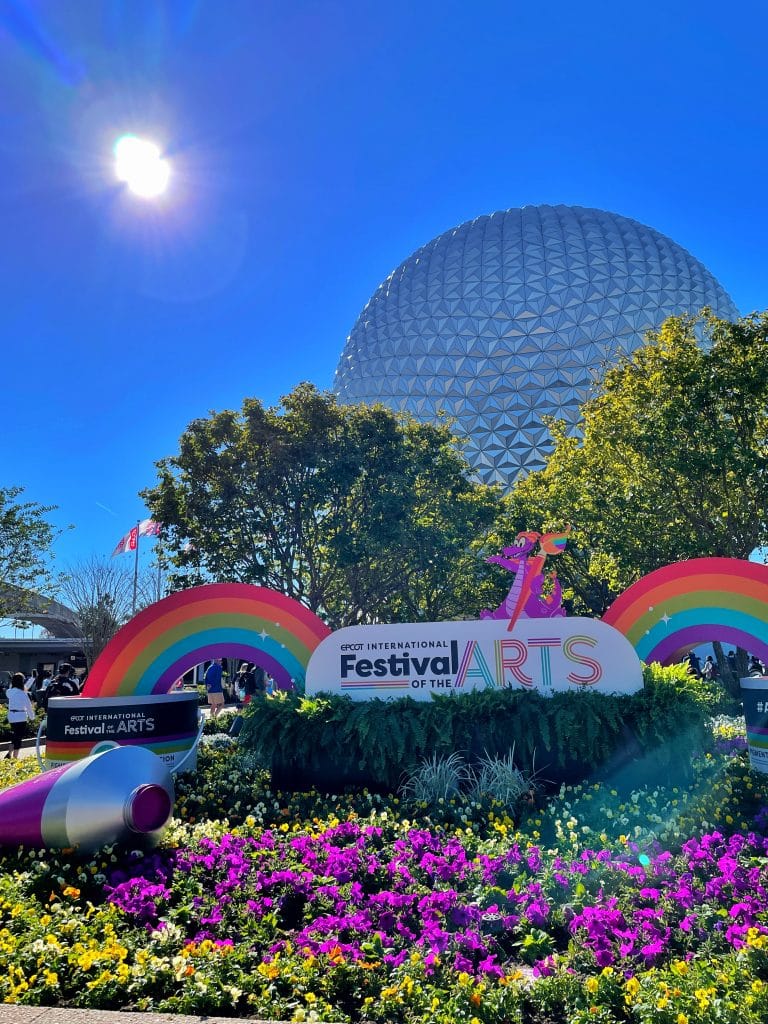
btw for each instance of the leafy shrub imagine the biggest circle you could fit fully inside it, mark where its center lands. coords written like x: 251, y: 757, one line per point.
x: 221, y: 723
x: 332, y: 741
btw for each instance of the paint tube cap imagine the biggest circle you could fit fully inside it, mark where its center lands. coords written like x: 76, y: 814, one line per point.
x: 148, y: 808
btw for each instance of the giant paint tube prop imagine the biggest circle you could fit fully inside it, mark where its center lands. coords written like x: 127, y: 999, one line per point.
x: 120, y: 794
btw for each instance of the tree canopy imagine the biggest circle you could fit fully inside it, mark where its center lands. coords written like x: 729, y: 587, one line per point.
x: 26, y: 537
x: 359, y: 514
x: 671, y: 461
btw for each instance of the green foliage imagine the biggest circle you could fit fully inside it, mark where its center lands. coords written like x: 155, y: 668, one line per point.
x: 338, y: 742
x: 222, y: 723
x: 359, y: 514
x: 25, y: 541
x: 671, y: 462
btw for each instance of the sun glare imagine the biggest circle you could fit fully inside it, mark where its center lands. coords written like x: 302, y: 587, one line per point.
x: 139, y: 163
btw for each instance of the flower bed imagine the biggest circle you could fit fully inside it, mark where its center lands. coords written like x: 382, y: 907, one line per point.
x: 607, y: 904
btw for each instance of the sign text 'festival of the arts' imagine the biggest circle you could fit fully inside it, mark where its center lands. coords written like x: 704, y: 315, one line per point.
x: 421, y: 659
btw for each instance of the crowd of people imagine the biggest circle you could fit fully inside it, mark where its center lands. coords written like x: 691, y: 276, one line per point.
x: 250, y: 681
x: 709, y: 668
x: 43, y: 685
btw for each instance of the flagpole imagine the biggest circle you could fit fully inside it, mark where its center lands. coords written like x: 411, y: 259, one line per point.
x: 136, y: 568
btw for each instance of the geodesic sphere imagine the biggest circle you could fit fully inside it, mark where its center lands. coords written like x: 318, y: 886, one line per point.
x: 513, y: 316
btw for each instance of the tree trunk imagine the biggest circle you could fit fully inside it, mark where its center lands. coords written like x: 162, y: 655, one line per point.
x: 729, y: 680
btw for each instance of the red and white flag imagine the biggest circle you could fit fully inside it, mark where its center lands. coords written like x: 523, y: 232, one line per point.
x: 127, y: 543
x: 146, y: 528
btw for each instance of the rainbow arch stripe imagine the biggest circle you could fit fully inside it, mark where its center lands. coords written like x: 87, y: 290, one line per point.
x: 234, y: 620
x: 670, y: 611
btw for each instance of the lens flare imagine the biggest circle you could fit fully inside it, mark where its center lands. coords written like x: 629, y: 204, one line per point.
x: 140, y: 164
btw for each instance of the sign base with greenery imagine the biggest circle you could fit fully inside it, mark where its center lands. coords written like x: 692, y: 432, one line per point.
x: 333, y: 743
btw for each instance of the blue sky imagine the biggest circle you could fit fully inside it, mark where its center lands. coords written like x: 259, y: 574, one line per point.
x: 314, y: 147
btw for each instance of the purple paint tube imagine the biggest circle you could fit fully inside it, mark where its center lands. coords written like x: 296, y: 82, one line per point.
x: 122, y: 794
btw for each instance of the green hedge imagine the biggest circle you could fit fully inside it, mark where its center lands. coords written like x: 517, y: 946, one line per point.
x: 331, y: 741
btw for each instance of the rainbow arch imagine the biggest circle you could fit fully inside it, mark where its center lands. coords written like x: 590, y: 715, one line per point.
x: 234, y: 620
x: 673, y: 609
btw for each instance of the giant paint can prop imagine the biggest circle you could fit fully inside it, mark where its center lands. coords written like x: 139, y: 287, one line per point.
x: 754, y: 694
x: 166, y: 724
x: 120, y: 795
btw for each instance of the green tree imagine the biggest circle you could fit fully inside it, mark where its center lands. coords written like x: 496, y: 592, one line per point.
x: 671, y: 461
x: 26, y: 537
x: 355, y: 512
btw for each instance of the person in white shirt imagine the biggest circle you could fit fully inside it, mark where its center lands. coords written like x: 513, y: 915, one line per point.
x: 19, y: 712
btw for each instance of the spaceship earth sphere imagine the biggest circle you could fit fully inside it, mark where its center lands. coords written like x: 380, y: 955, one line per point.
x: 511, y: 317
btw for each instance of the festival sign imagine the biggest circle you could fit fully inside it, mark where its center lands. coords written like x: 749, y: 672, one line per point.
x: 420, y: 659
x: 78, y: 727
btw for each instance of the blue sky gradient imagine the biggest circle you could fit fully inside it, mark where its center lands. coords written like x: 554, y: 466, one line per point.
x: 314, y: 147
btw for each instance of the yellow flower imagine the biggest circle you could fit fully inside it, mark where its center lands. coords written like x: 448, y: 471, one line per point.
x: 71, y: 891
x: 681, y: 1019
x: 592, y: 984
x: 702, y: 996
x: 632, y: 988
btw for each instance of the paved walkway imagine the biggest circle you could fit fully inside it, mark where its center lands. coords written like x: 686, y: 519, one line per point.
x: 53, y: 1015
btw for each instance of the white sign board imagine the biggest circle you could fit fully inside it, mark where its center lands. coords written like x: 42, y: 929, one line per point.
x: 418, y: 659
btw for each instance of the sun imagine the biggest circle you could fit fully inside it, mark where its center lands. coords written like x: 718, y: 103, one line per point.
x: 140, y: 164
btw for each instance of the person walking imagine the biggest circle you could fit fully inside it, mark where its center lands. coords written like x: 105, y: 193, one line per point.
x: 260, y: 680
x: 19, y: 712
x: 214, y: 688
x: 246, y: 683
x: 709, y: 670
